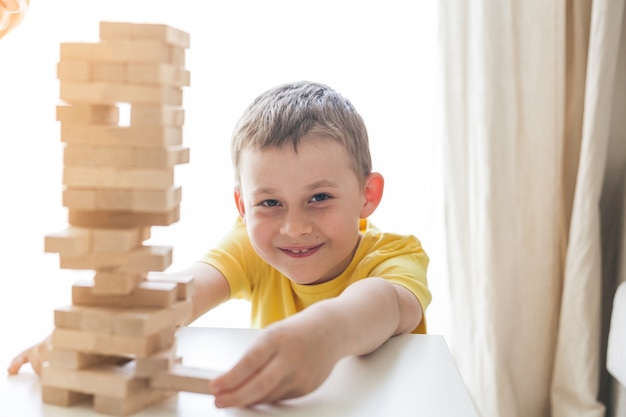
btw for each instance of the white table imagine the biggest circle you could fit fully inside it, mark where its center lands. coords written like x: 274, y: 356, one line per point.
x: 410, y: 375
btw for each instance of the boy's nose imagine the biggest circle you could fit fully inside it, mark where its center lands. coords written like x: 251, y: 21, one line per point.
x: 295, y: 224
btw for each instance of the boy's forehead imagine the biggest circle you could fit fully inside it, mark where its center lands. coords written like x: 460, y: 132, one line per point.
x: 316, y: 161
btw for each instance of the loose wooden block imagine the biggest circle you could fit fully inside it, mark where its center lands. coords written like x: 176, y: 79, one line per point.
x: 146, y: 115
x: 71, y: 242
x: 131, y: 404
x: 116, y: 282
x: 122, y: 136
x: 149, y: 294
x: 143, y: 259
x: 116, y: 345
x: 146, y: 31
x: 185, y: 378
x: 108, y: 380
x: 122, y: 218
x: 87, y: 114
x: 62, y: 397
x: 100, y: 92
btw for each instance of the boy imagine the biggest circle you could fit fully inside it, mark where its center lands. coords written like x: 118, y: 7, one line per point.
x: 322, y: 280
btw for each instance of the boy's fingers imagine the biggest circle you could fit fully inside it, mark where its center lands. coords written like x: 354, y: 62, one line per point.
x: 249, y: 365
x: 257, y: 389
x: 17, y: 362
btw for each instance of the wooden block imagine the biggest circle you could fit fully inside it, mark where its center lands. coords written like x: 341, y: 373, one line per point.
x: 116, y: 282
x: 156, y: 201
x: 71, y: 242
x: 157, y: 73
x: 99, y: 218
x: 185, y: 378
x: 118, y: 239
x: 113, y: 200
x: 131, y: 404
x: 116, y: 30
x: 141, y: 115
x: 118, y: 178
x: 101, y: 92
x: 161, y: 32
x: 116, y: 345
x: 160, y: 361
x: 62, y: 397
x: 108, y: 380
x: 91, y: 319
x: 125, y: 157
x: 144, y: 322
x: 74, y: 70
x: 122, y: 51
x: 79, y: 154
x: 71, y: 359
x: 148, y: 258
x: 122, y: 136
x: 87, y: 114
x: 109, y: 71
x: 146, y: 31
x: 161, y: 158
x: 146, y: 201
x: 123, y: 321
x: 185, y: 282
x: 147, y: 294
x: 143, y: 259
x: 81, y: 199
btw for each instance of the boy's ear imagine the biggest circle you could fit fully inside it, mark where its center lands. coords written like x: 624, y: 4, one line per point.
x: 373, y: 193
x: 241, y: 208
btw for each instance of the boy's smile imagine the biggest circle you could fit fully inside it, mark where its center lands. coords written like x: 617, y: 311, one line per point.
x: 302, y: 209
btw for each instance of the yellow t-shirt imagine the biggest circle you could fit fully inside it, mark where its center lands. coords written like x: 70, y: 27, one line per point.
x: 397, y: 258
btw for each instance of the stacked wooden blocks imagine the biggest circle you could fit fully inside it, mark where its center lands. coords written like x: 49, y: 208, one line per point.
x: 115, y: 344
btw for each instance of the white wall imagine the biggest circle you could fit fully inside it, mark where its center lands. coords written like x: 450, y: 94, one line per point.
x: 382, y: 55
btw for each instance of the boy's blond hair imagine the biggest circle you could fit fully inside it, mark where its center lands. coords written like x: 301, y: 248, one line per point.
x: 286, y: 114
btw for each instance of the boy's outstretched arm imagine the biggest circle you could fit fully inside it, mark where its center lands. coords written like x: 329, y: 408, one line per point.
x: 210, y: 289
x: 294, y: 356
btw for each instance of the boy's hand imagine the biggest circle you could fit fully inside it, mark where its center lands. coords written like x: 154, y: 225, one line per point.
x: 36, y: 355
x: 289, y: 360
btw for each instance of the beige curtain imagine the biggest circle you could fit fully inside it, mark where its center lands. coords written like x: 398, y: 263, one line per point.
x: 529, y: 89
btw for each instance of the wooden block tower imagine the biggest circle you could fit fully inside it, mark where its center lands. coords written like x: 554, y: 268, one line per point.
x: 115, y: 343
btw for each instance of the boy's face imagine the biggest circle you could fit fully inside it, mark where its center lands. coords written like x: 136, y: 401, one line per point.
x: 302, y: 209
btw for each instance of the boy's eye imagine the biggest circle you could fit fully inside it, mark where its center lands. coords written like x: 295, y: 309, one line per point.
x: 270, y: 203
x: 320, y: 197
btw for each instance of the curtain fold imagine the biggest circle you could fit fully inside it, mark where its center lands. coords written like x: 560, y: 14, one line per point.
x: 527, y: 105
